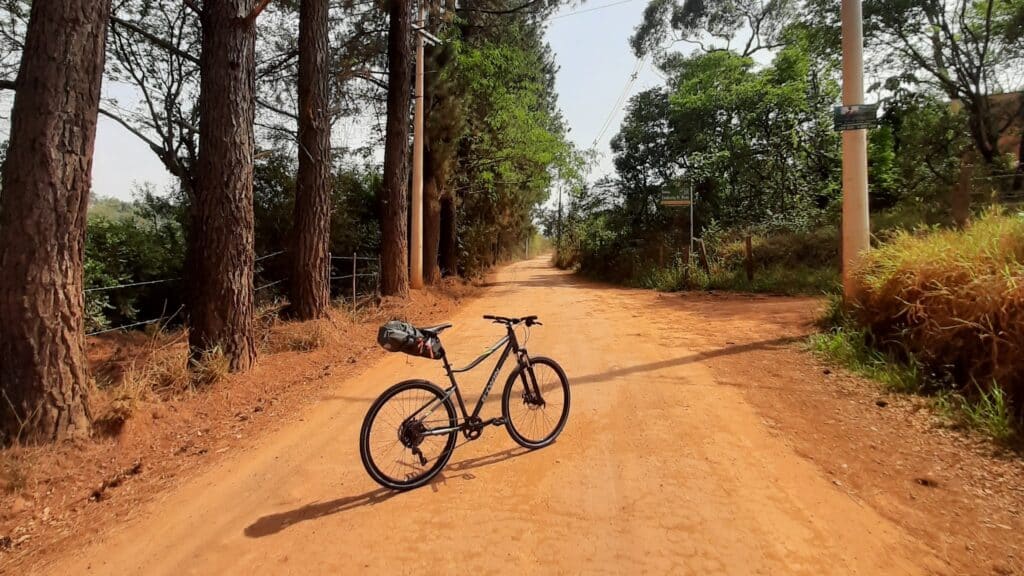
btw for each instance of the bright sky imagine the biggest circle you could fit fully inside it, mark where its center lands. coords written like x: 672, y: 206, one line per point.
x: 591, y: 44
x: 592, y: 52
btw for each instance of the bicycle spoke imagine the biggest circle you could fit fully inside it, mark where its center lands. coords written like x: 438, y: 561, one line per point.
x: 537, y: 406
x: 396, y: 441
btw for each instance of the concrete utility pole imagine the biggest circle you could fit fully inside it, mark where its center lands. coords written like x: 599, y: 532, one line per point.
x: 416, y: 242
x: 856, y: 231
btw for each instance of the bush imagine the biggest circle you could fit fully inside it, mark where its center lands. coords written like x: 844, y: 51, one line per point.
x: 130, y: 248
x: 817, y: 248
x: 953, y: 301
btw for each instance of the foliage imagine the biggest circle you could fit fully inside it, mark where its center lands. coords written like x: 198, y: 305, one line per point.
x: 512, y: 143
x: 965, y: 50
x: 849, y: 347
x: 987, y: 410
x: 143, y: 240
x: 131, y: 247
x: 709, y: 24
x: 755, y: 145
x: 952, y: 300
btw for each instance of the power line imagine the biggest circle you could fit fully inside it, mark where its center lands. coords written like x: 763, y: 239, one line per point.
x: 637, y: 68
x: 593, y: 9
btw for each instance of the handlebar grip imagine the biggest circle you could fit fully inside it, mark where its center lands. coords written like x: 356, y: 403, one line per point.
x: 489, y: 317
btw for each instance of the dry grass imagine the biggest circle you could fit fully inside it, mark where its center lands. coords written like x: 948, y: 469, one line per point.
x: 301, y: 336
x: 13, y: 472
x: 953, y: 301
x: 210, y: 367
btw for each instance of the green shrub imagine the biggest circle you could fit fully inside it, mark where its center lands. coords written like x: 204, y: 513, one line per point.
x: 850, y: 347
x: 129, y: 248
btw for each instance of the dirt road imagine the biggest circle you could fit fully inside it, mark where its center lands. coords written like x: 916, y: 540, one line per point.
x: 661, y: 469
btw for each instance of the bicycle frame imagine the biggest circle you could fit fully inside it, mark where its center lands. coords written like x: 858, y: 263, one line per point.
x: 471, y: 422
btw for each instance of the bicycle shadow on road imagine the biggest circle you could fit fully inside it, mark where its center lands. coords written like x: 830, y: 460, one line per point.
x: 274, y: 523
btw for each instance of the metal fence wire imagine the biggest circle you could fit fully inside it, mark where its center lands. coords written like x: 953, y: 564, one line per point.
x: 359, y: 268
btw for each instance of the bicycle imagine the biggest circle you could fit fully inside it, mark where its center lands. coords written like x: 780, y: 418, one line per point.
x: 404, y: 416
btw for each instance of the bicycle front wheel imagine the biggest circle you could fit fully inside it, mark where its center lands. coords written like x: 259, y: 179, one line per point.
x: 535, y: 403
x: 402, y: 443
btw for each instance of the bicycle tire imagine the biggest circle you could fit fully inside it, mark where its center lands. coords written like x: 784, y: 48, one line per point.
x: 515, y: 424
x: 372, y: 464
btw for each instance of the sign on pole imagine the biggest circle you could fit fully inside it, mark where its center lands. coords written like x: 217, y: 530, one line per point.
x: 680, y: 197
x: 862, y: 117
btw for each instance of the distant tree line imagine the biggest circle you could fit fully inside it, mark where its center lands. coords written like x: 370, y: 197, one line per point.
x: 744, y: 121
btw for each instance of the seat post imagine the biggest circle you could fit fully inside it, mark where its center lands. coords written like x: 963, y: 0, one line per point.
x: 447, y: 366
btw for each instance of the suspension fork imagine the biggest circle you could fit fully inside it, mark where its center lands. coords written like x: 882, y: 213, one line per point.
x: 528, y: 377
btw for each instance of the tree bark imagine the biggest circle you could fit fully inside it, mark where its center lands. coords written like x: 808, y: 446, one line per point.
x: 311, y: 233
x: 44, y: 386
x: 394, y: 257
x: 221, y: 234
x: 431, y: 221
x: 449, y: 245
x: 431, y: 187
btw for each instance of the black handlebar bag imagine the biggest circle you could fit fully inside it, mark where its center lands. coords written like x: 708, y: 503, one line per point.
x: 397, y: 336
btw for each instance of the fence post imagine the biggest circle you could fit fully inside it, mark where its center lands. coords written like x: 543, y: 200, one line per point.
x: 354, y: 260
x: 704, y: 257
x: 750, y: 259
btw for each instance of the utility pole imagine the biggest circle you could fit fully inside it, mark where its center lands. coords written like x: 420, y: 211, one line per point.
x: 559, y: 218
x: 416, y: 243
x: 855, y: 227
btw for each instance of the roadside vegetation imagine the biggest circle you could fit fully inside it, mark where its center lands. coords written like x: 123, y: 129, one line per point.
x: 747, y: 134
x: 941, y: 312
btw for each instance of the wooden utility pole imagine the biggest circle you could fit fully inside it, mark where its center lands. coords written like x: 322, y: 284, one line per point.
x: 559, y: 247
x: 856, y: 233
x: 416, y: 232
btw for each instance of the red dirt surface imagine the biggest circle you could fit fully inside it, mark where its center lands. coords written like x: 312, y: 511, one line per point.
x: 53, y: 498
x: 703, y: 439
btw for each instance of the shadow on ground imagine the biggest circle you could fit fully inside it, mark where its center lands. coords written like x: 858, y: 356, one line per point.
x: 689, y: 359
x: 274, y: 523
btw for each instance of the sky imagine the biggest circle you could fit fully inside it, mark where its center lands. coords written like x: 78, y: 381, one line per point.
x: 595, y: 62
x: 591, y: 46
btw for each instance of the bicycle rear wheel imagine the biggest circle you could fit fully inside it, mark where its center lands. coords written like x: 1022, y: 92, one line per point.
x: 395, y: 443
x: 533, y: 420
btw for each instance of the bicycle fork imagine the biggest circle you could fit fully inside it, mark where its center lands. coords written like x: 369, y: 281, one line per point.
x: 528, y: 377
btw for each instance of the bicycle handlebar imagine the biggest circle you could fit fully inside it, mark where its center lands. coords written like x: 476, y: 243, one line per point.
x: 528, y: 320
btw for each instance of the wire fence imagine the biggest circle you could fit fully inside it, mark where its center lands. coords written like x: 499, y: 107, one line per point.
x: 361, y: 280
x: 999, y: 189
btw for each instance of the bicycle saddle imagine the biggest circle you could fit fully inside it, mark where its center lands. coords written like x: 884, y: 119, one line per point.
x: 436, y: 330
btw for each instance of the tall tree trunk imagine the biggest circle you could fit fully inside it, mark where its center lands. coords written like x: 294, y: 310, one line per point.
x: 311, y: 233
x: 449, y: 245
x: 221, y: 232
x: 394, y: 257
x: 980, y: 124
x: 431, y: 220
x: 44, y: 384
